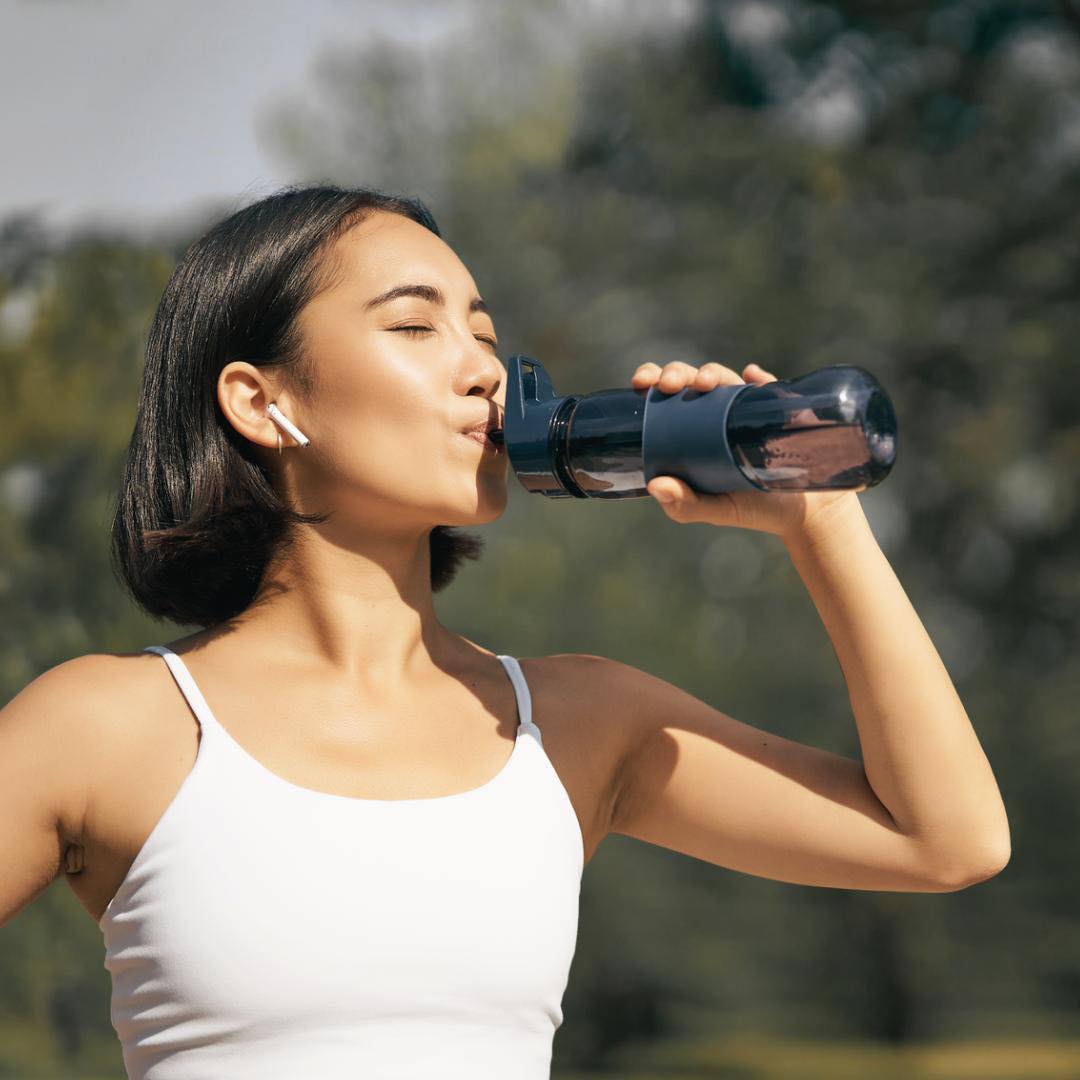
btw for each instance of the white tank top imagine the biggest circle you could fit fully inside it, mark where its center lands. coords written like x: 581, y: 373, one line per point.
x: 267, y: 930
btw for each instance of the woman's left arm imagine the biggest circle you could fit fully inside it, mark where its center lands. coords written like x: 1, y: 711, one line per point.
x: 920, y: 754
x: 919, y: 751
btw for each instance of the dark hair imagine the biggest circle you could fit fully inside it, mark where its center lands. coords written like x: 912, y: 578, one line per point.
x: 197, y: 519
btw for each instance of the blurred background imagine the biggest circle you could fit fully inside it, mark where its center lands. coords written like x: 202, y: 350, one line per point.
x: 890, y: 184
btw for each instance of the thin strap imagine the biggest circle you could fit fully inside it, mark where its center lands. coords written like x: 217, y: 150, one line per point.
x: 521, y: 691
x: 187, y: 685
x: 189, y: 688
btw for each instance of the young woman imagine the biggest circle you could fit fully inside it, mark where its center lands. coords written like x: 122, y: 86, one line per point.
x: 327, y: 836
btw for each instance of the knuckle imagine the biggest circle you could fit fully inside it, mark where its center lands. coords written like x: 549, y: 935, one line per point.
x: 720, y: 373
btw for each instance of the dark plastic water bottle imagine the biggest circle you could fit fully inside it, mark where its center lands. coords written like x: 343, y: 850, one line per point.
x: 832, y: 429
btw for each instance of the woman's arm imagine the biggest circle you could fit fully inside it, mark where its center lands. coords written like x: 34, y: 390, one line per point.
x: 920, y: 812
x: 920, y: 753
x: 44, y: 770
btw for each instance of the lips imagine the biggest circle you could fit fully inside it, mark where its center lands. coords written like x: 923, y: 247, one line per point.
x: 489, y: 427
x: 487, y: 433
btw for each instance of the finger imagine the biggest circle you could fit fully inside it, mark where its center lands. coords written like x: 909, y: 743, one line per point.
x: 687, y: 505
x: 676, y: 375
x: 671, y: 492
x: 757, y: 373
x: 669, y: 378
x: 646, y: 373
x: 712, y: 375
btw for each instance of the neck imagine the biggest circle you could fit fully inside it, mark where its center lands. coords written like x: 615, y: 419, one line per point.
x: 364, y: 613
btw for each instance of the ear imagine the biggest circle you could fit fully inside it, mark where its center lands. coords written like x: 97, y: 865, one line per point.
x: 243, y: 392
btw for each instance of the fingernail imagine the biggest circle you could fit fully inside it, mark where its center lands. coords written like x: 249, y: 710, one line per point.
x: 664, y: 496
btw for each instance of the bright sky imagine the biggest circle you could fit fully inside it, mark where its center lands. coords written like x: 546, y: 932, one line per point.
x: 134, y: 110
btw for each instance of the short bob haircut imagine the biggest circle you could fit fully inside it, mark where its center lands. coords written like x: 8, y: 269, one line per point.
x: 197, y: 519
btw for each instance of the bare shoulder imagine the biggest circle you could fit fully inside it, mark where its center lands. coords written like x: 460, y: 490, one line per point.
x: 69, y: 712
x: 588, y: 687
x: 594, y: 702
x: 638, y: 718
x: 96, y: 685
x: 587, y: 675
x: 91, y: 709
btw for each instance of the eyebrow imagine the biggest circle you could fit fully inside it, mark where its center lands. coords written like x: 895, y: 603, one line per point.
x: 424, y: 292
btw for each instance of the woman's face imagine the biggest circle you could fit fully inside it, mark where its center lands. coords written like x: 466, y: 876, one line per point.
x: 399, y: 379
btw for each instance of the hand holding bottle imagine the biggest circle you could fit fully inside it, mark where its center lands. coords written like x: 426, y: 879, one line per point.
x: 784, y: 514
x: 778, y: 455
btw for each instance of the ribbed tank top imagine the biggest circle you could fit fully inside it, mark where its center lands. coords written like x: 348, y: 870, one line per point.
x: 267, y: 930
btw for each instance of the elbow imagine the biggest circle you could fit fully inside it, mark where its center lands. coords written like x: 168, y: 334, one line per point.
x: 987, y: 862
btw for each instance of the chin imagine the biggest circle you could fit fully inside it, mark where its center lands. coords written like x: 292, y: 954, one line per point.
x: 490, y: 510
x: 489, y: 506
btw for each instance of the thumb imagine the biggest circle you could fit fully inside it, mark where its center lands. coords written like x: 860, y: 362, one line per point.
x: 671, y: 493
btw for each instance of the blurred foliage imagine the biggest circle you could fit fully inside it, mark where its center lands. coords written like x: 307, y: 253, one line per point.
x: 893, y: 185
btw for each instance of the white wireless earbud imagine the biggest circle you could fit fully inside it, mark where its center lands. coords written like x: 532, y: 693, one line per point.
x: 280, y: 418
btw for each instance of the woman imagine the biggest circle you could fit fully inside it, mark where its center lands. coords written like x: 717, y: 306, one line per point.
x: 327, y: 836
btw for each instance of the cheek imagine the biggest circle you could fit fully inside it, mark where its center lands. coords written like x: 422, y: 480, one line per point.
x: 372, y: 383
x: 390, y: 419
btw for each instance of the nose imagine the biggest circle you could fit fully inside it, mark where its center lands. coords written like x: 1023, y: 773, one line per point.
x: 485, y: 373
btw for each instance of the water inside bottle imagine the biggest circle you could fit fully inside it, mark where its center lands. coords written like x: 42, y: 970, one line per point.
x: 831, y: 429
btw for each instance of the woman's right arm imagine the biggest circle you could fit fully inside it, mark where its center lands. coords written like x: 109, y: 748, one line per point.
x: 44, y: 774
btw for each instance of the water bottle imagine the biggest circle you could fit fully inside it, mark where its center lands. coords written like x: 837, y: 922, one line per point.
x: 832, y: 429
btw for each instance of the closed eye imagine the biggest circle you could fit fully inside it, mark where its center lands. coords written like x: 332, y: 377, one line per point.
x: 427, y: 330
